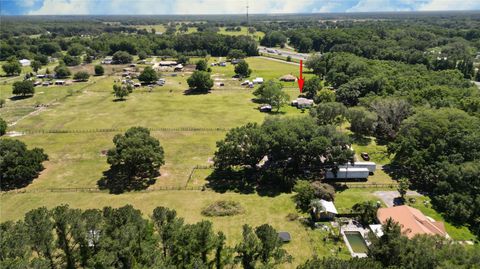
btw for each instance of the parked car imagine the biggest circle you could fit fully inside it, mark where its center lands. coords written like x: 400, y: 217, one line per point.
x: 266, y: 108
x: 246, y: 82
x: 365, y: 156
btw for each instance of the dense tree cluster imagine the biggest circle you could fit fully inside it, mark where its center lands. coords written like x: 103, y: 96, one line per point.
x: 397, y: 41
x: 19, y: 165
x: 356, y: 77
x: 63, y: 237
x: 281, y: 150
x: 438, y: 151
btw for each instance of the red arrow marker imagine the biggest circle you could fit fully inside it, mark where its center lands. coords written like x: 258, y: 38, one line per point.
x: 301, y: 79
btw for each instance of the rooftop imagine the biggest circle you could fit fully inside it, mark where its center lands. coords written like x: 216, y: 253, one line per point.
x: 411, y: 220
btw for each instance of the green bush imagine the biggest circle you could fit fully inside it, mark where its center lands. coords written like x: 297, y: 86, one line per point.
x: 223, y: 208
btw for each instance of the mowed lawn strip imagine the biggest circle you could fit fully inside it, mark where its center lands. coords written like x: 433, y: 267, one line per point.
x: 78, y: 160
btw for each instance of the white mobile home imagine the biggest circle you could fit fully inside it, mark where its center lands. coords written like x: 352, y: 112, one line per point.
x: 371, y: 166
x: 348, y: 173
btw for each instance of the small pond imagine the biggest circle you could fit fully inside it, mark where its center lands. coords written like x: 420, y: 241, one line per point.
x: 356, y: 241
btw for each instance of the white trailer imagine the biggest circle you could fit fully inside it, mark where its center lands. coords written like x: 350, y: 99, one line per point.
x: 348, y: 173
x: 371, y: 166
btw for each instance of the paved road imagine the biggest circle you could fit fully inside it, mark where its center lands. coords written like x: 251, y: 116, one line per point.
x: 277, y: 60
x: 389, y: 197
x: 294, y: 55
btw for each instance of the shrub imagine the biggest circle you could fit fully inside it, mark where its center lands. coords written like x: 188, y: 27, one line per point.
x: 81, y: 75
x: 223, y: 208
x: 3, y: 127
x: 200, y: 81
x: 62, y: 71
x: 99, y: 71
x: 323, y: 191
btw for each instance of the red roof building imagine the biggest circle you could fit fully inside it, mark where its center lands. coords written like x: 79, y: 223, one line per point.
x: 412, y: 221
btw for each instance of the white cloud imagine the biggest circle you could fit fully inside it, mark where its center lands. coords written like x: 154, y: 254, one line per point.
x: 77, y: 7
x: 134, y: 7
x: 55, y: 7
x: 26, y: 3
x: 382, y: 5
x: 451, y: 5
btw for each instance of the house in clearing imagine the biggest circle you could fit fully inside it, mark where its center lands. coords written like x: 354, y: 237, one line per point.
x: 302, y: 103
x: 288, y: 78
x: 25, y: 62
x: 412, y: 221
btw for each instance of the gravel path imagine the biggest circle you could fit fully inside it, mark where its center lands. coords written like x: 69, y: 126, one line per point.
x: 390, y: 197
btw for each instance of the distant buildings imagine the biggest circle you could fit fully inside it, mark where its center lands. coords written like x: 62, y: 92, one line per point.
x: 288, y: 78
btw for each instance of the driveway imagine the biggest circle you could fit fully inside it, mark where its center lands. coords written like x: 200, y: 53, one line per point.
x: 391, y: 197
x: 277, y: 60
x: 293, y: 54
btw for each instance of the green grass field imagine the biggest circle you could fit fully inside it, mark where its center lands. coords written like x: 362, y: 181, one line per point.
x: 76, y: 159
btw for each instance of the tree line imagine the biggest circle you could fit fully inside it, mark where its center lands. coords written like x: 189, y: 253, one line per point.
x: 63, y: 237
x: 39, y: 48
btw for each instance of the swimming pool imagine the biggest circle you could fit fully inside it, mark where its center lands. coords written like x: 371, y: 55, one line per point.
x: 356, y: 241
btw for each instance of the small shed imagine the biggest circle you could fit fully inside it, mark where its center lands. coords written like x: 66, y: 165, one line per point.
x: 302, y: 102
x: 284, y: 237
x: 258, y: 81
x: 329, y: 210
x: 178, y: 68
x: 25, y: 62
x: 288, y: 78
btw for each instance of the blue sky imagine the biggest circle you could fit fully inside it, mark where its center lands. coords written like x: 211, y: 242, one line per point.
x: 134, y: 7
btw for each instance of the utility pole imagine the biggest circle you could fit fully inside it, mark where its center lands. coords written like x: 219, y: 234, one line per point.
x: 248, y: 22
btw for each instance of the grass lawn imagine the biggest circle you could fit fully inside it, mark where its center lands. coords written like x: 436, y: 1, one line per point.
x: 344, y: 200
x: 14, y: 109
x: 456, y: 232
x: 76, y: 159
